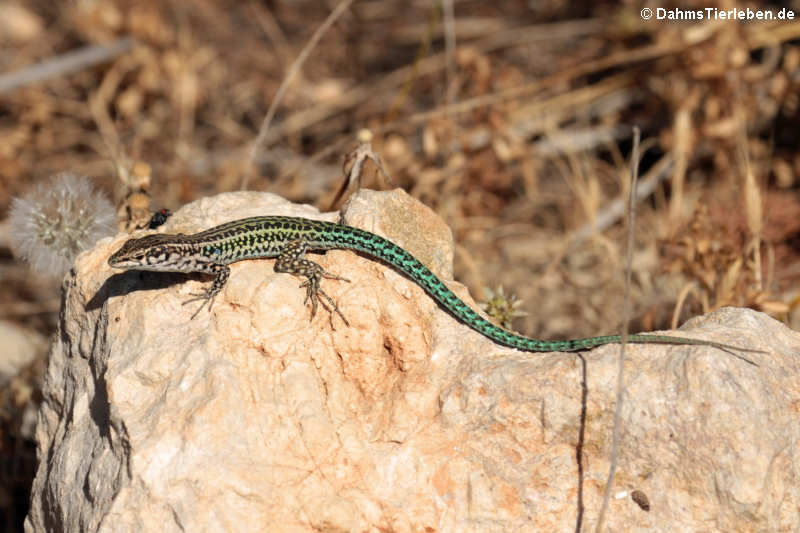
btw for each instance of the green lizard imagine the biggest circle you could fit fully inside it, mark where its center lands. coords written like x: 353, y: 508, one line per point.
x: 288, y: 238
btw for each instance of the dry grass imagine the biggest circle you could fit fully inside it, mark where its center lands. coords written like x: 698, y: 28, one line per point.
x: 515, y: 125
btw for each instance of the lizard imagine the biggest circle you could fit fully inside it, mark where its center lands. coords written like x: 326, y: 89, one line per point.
x: 289, y: 238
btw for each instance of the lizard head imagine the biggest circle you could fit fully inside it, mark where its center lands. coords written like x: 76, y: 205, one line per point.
x: 158, y: 252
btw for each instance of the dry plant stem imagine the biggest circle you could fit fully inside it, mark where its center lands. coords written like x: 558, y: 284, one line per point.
x: 773, y: 34
x: 582, y: 95
x: 423, y: 50
x: 616, y: 209
x: 273, y: 31
x: 682, y: 134
x: 626, y: 311
x: 525, y: 35
x: 569, y: 103
x: 66, y: 63
x: 99, y: 102
x: 449, y: 48
x: 356, y: 96
x: 260, y: 143
x: 609, y: 215
x: 582, y: 184
x: 688, y: 289
x: 752, y: 194
x: 429, y: 65
x: 580, y: 139
x: 357, y: 157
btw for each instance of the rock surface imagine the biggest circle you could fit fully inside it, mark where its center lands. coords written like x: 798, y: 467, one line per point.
x: 252, y: 418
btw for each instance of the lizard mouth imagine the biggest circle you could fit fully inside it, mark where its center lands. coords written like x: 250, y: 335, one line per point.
x: 116, y: 262
x: 120, y: 262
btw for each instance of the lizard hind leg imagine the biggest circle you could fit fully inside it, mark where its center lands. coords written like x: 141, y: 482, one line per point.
x: 291, y: 261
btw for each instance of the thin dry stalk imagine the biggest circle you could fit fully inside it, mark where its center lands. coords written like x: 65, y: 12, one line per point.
x: 273, y: 31
x: 354, y: 164
x: 449, y: 48
x: 99, y: 102
x: 626, y: 311
x: 356, y: 96
x: 685, y: 292
x: 752, y: 202
x: 525, y: 35
x: 80, y: 59
x: 682, y: 133
x: 615, y: 209
x: 429, y: 65
x: 260, y: 143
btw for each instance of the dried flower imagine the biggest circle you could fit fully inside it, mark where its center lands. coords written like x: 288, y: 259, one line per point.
x: 502, y: 308
x: 54, y: 222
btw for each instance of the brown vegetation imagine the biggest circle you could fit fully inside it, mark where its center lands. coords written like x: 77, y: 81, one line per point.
x: 519, y: 136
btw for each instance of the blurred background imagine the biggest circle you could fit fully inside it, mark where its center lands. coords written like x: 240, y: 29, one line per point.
x: 511, y: 119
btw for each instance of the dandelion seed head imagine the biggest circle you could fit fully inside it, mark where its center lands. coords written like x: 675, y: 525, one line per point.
x: 55, y: 221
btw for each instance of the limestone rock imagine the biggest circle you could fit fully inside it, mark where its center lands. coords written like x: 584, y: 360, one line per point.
x: 251, y: 418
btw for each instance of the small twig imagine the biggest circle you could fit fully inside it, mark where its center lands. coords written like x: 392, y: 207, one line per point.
x: 429, y: 65
x: 577, y: 99
x: 548, y: 32
x: 570, y: 140
x: 614, y: 210
x: 98, y: 107
x: 688, y: 289
x: 753, y: 208
x: 626, y: 312
x: 449, y: 48
x: 681, y: 132
x: 74, y: 61
x: 260, y: 143
x: 265, y: 18
x: 372, y: 90
x: 355, y: 161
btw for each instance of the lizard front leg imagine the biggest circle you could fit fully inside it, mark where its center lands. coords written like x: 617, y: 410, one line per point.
x: 221, y: 274
x: 291, y: 261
